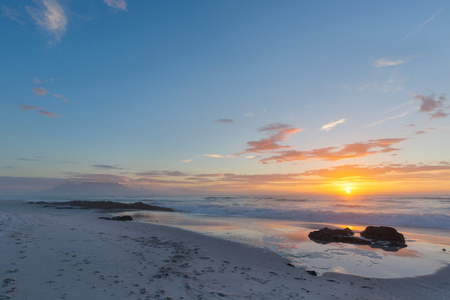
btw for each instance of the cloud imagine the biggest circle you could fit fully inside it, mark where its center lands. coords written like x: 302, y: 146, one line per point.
x: 279, y: 132
x: 249, y: 114
x: 388, y: 119
x: 39, y: 91
x: 60, y: 96
x: 331, y: 125
x: 383, y: 62
x: 28, y: 159
x: 214, y: 155
x: 162, y: 173
x: 37, y: 80
x: 228, y: 121
x: 11, y: 13
x: 107, y: 167
x: 336, y: 153
x: 50, y: 17
x: 438, y: 114
x: 27, y: 107
x: 383, y: 171
x: 117, y: 4
x: 432, y: 105
x: 186, y: 161
x: 422, y: 25
x: 47, y: 114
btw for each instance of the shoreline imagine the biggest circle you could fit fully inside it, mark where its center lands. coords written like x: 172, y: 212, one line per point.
x: 71, y: 254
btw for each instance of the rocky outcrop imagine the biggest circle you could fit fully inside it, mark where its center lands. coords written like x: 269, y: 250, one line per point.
x: 383, y: 234
x: 327, y: 235
x: 108, y: 205
x: 386, y: 238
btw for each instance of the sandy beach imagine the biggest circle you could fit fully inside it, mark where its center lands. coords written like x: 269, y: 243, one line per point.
x: 49, y: 253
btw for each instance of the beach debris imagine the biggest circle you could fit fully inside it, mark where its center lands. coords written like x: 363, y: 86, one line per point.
x: 118, y: 218
x: 386, y: 238
x: 312, y: 272
x: 102, y: 205
x: 291, y: 265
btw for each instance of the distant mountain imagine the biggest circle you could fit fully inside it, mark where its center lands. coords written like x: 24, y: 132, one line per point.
x: 90, y: 189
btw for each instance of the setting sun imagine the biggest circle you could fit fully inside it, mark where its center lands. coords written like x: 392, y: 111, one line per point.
x: 349, y: 190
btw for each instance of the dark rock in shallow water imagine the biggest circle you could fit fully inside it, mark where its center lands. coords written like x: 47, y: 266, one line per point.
x: 384, y: 234
x: 313, y: 273
x: 103, y: 205
x: 386, y: 238
x: 118, y: 218
x: 327, y: 235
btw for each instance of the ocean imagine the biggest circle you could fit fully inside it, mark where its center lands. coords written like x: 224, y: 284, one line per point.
x: 406, y: 211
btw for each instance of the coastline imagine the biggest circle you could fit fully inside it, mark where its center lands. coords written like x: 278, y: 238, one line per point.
x: 71, y: 254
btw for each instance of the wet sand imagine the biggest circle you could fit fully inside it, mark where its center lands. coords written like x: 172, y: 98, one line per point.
x: 71, y: 254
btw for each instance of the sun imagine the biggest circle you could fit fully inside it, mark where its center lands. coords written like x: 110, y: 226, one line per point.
x: 348, y: 190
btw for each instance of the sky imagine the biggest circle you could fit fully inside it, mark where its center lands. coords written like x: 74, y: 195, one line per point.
x: 227, y: 96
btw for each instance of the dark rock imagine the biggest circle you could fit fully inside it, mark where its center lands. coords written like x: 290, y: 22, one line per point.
x: 103, y: 205
x: 327, y: 235
x: 384, y: 235
x: 313, y: 273
x: 386, y: 238
x: 291, y: 265
x: 118, y: 218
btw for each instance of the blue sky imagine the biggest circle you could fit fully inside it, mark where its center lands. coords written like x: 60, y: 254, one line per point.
x: 225, y: 96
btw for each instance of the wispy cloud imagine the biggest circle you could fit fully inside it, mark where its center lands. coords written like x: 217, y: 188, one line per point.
x: 347, y: 151
x: 60, y: 96
x: 117, y: 4
x: 162, y: 174
x: 434, y: 107
x: 28, y: 107
x: 11, y: 13
x: 278, y: 132
x: 37, y: 80
x: 383, y: 62
x: 331, y: 125
x: 227, y: 121
x: 422, y: 25
x: 39, y: 91
x: 48, y: 114
x: 214, y: 155
x: 50, y: 17
x: 404, y: 114
x: 249, y: 114
x: 186, y: 161
x: 107, y: 167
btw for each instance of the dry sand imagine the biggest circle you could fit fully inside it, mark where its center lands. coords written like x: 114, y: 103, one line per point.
x: 48, y: 253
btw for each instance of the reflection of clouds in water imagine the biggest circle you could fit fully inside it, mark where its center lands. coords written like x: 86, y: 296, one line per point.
x: 346, y: 252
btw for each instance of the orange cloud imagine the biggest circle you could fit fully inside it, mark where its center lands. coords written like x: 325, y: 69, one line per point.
x: 334, y: 153
x: 280, y: 132
x: 385, y: 171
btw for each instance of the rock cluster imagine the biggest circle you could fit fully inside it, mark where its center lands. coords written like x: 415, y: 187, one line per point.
x: 387, y: 238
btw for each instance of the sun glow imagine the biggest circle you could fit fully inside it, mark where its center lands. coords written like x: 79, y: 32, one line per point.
x: 348, y: 190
